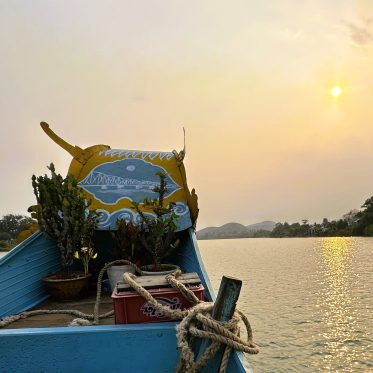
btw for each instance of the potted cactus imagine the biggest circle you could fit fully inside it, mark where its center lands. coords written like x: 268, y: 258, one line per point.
x: 64, y: 217
x: 157, y: 229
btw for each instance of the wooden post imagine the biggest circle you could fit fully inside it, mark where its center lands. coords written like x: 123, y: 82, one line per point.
x: 223, y: 310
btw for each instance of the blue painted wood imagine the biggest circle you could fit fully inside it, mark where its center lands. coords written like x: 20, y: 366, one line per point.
x: 190, y: 259
x: 21, y: 273
x: 113, y: 348
x: 223, y: 310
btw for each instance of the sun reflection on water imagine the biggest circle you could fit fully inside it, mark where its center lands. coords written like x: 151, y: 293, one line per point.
x: 336, y: 306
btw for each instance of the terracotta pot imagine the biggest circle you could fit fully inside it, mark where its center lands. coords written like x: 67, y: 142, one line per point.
x: 67, y: 288
x: 164, y: 270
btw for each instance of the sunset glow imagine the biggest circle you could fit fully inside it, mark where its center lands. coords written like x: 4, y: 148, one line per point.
x: 270, y: 124
x: 336, y: 91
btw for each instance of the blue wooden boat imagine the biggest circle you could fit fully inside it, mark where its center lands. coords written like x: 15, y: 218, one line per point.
x: 100, y: 348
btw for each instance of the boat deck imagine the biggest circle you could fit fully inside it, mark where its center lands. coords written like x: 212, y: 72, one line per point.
x: 85, y: 305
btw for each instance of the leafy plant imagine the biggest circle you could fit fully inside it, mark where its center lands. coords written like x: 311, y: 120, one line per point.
x: 126, y: 240
x: 87, y: 251
x: 63, y: 214
x: 85, y: 254
x: 157, y: 234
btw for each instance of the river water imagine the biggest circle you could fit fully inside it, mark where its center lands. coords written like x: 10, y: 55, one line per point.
x: 309, y: 300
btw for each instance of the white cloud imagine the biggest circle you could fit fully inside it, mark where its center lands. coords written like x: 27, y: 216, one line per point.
x: 359, y: 35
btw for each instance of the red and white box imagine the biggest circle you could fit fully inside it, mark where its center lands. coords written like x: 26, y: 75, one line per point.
x: 129, y: 307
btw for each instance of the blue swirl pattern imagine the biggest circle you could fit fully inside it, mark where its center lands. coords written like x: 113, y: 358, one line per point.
x: 108, y: 221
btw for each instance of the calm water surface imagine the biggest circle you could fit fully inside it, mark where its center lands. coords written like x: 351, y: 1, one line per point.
x: 309, y: 300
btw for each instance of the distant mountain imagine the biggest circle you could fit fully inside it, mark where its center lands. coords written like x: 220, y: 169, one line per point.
x: 264, y: 225
x: 236, y: 230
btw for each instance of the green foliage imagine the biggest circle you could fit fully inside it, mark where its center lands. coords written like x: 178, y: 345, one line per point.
x: 157, y: 234
x: 368, y: 230
x: 325, y: 229
x: 87, y: 251
x: 368, y: 205
x: 353, y: 223
x: 364, y: 219
x: 63, y: 214
x: 14, y: 224
x: 126, y: 241
x: 5, y: 236
x: 261, y: 233
x: 6, y: 241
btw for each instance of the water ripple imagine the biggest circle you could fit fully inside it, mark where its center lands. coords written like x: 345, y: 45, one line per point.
x: 309, y: 300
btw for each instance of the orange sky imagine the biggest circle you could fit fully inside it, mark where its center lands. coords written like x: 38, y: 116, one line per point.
x: 249, y: 81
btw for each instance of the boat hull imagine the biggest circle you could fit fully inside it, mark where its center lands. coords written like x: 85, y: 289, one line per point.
x: 112, y: 348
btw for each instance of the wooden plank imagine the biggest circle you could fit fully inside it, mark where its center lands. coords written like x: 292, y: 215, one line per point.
x: 152, y: 282
x: 20, y: 278
x: 223, y: 310
x: 105, y: 348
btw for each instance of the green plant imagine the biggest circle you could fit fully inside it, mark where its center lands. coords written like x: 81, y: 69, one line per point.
x: 63, y: 214
x: 85, y: 254
x: 126, y: 240
x: 87, y: 251
x: 157, y: 233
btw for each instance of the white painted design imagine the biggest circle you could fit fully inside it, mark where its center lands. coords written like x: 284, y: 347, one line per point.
x: 136, y: 153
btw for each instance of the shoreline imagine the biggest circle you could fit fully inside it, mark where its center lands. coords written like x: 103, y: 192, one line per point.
x: 235, y: 238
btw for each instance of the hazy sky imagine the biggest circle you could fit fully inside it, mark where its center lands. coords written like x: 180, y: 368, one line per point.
x: 249, y: 80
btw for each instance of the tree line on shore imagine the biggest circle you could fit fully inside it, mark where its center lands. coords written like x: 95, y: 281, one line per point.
x: 10, y: 227
x: 354, y: 223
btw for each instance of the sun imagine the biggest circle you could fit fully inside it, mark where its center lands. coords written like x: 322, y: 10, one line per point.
x: 336, y: 91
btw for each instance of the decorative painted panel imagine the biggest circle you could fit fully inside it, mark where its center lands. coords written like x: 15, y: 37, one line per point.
x: 113, y: 179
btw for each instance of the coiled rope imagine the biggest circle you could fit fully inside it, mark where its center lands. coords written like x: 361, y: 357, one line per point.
x: 197, y: 322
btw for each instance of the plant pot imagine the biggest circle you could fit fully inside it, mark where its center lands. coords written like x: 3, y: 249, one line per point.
x: 115, y: 274
x: 165, y: 269
x: 67, y: 288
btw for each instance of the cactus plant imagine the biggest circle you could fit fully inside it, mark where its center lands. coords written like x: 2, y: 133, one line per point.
x: 63, y: 214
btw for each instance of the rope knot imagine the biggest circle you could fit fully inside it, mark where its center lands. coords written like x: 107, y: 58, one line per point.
x: 80, y: 322
x: 199, y: 324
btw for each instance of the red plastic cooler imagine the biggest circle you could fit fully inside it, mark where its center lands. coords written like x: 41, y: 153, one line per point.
x: 129, y: 307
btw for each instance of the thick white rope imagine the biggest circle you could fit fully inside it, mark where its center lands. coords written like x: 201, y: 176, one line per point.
x: 99, y: 282
x: 197, y: 322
